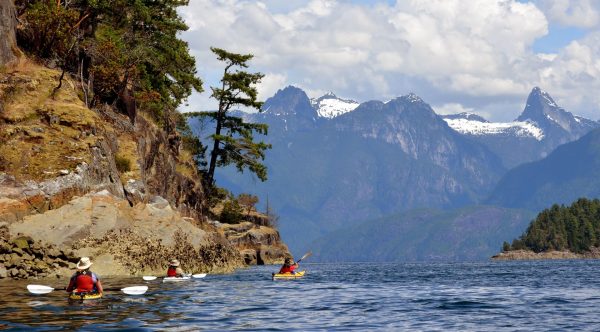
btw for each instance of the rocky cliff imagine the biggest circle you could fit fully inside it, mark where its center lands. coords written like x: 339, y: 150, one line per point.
x: 89, y: 182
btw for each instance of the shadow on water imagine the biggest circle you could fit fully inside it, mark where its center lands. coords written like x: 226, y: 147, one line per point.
x: 428, y: 296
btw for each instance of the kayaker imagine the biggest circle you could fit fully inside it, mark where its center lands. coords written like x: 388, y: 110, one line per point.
x: 289, y: 266
x: 174, y: 270
x: 84, y: 280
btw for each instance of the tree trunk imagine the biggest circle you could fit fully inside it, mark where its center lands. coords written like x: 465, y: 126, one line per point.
x: 8, y: 41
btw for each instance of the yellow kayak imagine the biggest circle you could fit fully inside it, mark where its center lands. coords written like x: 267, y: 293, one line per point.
x: 85, y: 296
x: 284, y: 276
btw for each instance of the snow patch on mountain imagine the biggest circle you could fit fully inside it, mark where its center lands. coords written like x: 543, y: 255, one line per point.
x: 413, y: 98
x: 478, y: 128
x: 331, y: 106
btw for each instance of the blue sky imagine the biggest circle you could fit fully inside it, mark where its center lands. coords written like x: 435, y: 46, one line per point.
x: 481, y: 56
x: 557, y: 38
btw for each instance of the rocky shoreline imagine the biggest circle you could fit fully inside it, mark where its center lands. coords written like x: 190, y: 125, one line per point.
x: 80, y: 182
x: 593, y: 253
x: 22, y: 257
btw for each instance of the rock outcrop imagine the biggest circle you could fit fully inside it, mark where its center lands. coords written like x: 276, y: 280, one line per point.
x: 125, y: 240
x: 593, y: 253
x: 8, y: 43
x: 258, y: 244
x: 22, y: 257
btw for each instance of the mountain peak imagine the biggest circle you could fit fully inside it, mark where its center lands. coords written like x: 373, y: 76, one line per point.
x: 544, y: 111
x: 330, y: 106
x: 540, y: 107
x: 413, y: 98
x: 543, y: 96
x: 289, y: 90
x: 290, y: 101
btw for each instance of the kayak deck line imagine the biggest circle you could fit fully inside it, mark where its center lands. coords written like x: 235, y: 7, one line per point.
x: 169, y: 279
x: 85, y: 296
x: 286, y: 276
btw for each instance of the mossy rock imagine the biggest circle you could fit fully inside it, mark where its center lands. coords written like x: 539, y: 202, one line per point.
x: 22, y: 242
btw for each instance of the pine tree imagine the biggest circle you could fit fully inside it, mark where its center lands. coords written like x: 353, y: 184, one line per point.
x: 233, y: 139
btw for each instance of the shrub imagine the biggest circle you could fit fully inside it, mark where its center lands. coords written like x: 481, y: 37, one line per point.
x: 247, y: 201
x: 232, y: 212
x: 123, y: 164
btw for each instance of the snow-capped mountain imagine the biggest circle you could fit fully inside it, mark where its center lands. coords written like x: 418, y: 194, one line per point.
x: 331, y: 106
x: 553, y: 119
x: 471, y: 124
x: 541, y: 127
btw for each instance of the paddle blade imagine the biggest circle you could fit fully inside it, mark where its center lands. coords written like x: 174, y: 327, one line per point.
x: 134, y: 290
x: 198, y: 276
x: 39, y: 289
x: 308, y: 254
x: 149, y: 278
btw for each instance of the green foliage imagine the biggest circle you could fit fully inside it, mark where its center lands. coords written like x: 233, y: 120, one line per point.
x: 123, y: 163
x: 575, y: 228
x: 113, y: 45
x: 49, y: 28
x: 505, y: 246
x: 233, y: 140
x: 218, y: 195
x: 232, y: 212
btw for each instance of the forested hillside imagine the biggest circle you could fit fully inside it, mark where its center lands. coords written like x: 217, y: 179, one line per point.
x: 575, y: 228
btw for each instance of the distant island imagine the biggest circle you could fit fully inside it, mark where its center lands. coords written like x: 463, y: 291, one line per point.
x: 560, y: 232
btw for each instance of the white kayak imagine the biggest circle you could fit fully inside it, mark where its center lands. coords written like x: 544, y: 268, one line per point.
x: 169, y: 279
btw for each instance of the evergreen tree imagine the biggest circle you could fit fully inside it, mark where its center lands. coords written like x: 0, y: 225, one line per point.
x: 575, y: 228
x: 233, y: 140
x: 121, y: 50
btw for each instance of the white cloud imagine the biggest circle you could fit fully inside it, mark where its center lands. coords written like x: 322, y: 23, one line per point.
x: 270, y: 84
x: 452, y: 108
x: 578, y: 13
x: 479, y: 51
x: 573, y: 76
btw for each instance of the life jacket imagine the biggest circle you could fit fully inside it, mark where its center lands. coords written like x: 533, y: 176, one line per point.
x: 84, y: 282
x: 172, y: 271
x: 287, y: 269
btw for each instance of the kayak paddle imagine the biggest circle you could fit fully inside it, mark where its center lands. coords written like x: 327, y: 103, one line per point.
x: 308, y: 254
x: 133, y: 290
x: 195, y: 276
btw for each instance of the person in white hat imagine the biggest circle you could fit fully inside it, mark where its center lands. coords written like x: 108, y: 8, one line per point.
x: 84, y: 280
x: 174, y: 270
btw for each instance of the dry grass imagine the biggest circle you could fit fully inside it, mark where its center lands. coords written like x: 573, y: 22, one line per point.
x: 40, y: 135
x: 128, y: 150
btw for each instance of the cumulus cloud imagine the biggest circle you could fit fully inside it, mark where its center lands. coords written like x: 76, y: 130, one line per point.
x: 578, y: 13
x: 475, y: 52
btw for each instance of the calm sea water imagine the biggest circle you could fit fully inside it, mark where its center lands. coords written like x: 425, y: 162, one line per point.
x: 498, y: 296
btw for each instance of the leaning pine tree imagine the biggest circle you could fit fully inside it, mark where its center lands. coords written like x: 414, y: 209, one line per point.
x: 233, y: 139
